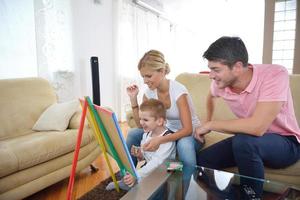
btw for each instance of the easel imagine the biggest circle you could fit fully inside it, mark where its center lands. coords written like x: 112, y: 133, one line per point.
x: 101, y: 135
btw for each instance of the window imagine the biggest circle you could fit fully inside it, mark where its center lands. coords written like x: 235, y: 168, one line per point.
x: 284, y: 33
x: 17, y: 39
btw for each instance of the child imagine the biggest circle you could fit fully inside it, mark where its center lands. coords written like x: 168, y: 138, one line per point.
x: 152, y: 115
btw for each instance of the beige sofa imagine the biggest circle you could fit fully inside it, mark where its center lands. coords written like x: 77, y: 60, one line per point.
x: 29, y: 160
x: 198, y: 86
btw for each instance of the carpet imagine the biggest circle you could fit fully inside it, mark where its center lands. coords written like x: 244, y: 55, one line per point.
x: 100, y: 193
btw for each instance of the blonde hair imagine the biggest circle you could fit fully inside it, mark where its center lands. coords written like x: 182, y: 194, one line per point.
x: 156, y: 107
x: 155, y: 60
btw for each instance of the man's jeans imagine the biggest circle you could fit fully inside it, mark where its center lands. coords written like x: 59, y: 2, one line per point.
x: 250, y: 154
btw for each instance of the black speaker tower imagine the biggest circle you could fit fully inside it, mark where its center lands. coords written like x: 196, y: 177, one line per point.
x: 95, y: 80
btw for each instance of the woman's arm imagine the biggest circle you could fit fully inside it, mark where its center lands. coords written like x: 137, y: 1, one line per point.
x: 185, y: 118
x: 135, y: 110
x: 133, y: 91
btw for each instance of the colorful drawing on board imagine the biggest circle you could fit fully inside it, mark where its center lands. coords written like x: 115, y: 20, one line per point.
x: 113, y: 138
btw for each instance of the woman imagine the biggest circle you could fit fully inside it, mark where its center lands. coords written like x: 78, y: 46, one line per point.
x: 181, y: 116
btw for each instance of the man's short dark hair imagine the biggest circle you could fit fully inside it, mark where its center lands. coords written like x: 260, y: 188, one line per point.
x: 228, y: 51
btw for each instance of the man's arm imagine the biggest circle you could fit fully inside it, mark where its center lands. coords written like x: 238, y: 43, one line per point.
x: 264, y: 114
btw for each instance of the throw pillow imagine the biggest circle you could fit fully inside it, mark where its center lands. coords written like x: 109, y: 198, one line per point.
x: 56, y: 117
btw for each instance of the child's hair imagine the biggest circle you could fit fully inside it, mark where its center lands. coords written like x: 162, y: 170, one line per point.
x: 155, y: 106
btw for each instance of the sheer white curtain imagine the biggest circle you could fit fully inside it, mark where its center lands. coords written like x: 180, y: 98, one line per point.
x: 54, y: 45
x: 138, y: 31
x: 36, y: 40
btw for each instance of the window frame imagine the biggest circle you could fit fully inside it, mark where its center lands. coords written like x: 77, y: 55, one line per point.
x: 268, y: 35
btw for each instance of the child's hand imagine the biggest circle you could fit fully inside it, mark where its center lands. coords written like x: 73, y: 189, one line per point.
x: 129, y: 180
x: 137, y: 152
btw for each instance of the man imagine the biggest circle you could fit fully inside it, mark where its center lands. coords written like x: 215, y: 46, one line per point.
x: 266, y: 131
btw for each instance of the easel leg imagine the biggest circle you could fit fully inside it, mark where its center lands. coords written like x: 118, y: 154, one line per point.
x: 76, y: 153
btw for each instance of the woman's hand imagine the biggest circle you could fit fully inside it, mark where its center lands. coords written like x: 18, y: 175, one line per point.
x: 129, y: 180
x: 200, y: 131
x: 152, y: 144
x: 132, y: 91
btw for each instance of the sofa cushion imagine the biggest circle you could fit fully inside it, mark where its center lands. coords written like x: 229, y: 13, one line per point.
x: 48, y: 172
x: 214, y: 137
x: 295, y: 90
x: 38, y: 147
x: 292, y: 170
x: 56, y: 117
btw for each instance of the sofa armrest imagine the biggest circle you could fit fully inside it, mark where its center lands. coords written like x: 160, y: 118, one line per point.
x: 129, y: 119
x: 75, y: 120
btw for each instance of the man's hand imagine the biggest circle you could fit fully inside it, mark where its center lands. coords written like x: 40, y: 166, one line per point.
x: 200, y: 131
x: 129, y: 180
x: 152, y: 144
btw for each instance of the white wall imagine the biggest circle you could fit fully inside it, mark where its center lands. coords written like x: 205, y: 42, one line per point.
x: 210, y: 20
x: 93, y: 36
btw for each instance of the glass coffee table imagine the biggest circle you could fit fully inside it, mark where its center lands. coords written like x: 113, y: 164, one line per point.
x: 210, y: 184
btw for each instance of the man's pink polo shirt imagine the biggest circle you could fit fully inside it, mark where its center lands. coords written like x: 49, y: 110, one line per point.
x: 269, y: 83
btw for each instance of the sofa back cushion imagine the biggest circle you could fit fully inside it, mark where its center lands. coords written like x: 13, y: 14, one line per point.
x: 295, y: 89
x: 199, y: 84
x: 22, y: 101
